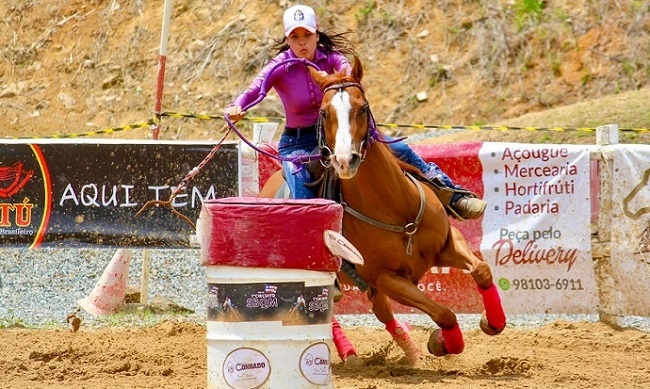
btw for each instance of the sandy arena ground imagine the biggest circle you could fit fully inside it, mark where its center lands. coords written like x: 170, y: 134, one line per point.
x: 174, y: 355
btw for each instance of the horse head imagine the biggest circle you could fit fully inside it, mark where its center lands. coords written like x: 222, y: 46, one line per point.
x: 344, y: 119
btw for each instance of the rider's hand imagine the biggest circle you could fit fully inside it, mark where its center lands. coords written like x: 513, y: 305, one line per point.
x: 235, y: 113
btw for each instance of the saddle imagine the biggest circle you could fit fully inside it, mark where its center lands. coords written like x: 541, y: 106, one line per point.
x: 325, y: 183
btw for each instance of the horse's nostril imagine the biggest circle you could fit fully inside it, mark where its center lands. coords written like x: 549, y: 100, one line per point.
x: 355, y: 160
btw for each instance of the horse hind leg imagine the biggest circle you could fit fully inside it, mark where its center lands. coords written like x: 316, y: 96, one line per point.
x: 458, y: 254
x: 493, y: 319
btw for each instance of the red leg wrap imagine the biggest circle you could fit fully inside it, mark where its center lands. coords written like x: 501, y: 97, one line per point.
x: 454, y: 343
x: 400, y: 333
x: 344, y: 347
x: 493, y: 309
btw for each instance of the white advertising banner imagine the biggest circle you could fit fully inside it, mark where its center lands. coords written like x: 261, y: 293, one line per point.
x: 630, y: 230
x: 536, y: 230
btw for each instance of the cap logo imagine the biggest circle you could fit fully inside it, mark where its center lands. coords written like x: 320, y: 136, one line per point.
x: 298, y: 16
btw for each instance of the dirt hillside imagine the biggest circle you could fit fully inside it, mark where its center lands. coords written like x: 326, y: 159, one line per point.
x: 76, y: 66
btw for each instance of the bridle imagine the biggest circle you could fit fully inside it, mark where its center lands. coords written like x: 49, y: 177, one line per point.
x: 371, y: 135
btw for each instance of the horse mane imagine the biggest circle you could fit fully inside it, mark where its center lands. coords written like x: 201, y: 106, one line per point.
x: 408, y: 168
x: 340, y: 77
x: 405, y: 167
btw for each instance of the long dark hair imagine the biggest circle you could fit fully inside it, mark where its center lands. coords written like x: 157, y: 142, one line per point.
x: 329, y: 41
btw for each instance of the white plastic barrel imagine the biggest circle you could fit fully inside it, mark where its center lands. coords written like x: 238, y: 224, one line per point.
x: 270, y: 281
x: 280, y: 345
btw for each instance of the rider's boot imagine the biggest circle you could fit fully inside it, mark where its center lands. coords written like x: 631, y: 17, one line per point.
x: 469, y: 207
x: 461, y: 203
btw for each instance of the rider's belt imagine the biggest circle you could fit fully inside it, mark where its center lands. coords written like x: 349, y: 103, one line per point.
x: 300, y: 131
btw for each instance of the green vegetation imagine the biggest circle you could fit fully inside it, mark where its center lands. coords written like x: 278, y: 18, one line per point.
x: 528, y: 12
x: 364, y: 11
x: 12, y: 321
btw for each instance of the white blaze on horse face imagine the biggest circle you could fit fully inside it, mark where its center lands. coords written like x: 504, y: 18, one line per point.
x: 343, y: 143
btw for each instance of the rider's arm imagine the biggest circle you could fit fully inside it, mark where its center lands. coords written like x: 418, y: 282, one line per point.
x: 255, y: 87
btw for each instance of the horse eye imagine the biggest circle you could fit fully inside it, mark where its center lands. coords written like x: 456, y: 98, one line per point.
x: 363, y: 110
x: 323, y: 113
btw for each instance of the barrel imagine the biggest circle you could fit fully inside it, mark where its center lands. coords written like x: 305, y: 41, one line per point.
x: 270, y: 282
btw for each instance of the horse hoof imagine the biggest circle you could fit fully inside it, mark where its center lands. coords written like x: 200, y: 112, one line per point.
x: 436, y: 345
x: 354, y: 361
x: 487, y: 328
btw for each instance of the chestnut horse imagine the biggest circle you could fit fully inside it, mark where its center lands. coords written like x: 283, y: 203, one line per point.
x: 396, y: 222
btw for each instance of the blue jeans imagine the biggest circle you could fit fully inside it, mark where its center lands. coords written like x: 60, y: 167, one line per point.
x: 430, y: 169
x: 296, y: 177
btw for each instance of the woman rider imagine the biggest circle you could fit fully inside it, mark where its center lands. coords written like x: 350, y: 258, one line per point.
x: 301, y: 98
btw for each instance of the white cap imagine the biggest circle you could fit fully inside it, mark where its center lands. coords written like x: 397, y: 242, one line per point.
x: 299, y: 16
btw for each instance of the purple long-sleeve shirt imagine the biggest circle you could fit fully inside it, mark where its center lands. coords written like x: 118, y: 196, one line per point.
x: 300, y: 95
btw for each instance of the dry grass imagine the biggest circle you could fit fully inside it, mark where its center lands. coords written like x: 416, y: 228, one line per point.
x: 628, y: 109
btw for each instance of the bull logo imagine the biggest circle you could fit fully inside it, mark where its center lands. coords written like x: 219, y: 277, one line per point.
x: 13, y: 178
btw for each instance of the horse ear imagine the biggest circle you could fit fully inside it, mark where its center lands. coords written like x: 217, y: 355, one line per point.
x: 357, y: 69
x: 316, y: 75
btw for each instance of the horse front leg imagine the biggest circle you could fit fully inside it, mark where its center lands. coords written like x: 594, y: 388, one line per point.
x: 398, y: 331
x: 448, y: 339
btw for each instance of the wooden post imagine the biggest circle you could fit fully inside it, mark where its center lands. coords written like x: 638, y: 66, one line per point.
x: 144, y: 279
x: 606, y: 136
x: 160, y: 82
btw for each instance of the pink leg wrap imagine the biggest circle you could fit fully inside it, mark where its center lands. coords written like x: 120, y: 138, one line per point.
x: 344, y: 347
x: 401, y: 336
x: 454, y: 343
x: 493, y: 309
x: 397, y: 329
